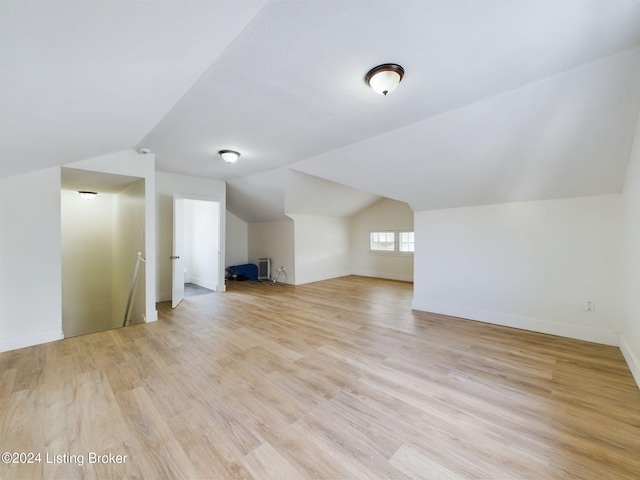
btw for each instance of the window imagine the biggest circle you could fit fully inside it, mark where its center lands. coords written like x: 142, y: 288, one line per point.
x: 398, y: 242
x: 382, y: 242
x: 406, y: 242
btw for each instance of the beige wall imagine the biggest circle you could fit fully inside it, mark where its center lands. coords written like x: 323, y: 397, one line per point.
x: 314, y: 248
x: 87, y: 256
x: 385, y: 214
x: 100, y: 241
x: 128, y: 240
x: 321, y: 247
x: 237, y: 252
x: 274, y: 240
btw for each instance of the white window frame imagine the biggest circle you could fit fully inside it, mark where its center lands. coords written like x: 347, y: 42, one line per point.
x: 396, y: 243
x: 412, y: 242
x: 381, y: 251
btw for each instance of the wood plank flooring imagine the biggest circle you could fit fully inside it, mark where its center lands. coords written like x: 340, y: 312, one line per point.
x: 337, y: 379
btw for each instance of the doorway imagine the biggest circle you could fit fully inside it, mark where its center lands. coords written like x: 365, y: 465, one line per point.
x: 101, y: 237
x: 196, y: 247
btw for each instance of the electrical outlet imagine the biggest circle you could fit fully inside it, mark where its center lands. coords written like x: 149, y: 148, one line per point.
x: 282, y: 268
x: 589, y: 306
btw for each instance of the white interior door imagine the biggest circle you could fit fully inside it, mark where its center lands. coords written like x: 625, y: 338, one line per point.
x: 177, y: 291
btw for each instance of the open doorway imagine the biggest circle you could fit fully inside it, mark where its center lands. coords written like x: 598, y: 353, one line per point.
x: 196, y: 257
x: 101, y: 237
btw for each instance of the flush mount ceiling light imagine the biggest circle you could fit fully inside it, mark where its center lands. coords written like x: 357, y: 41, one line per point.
x: 384, y: 78
x: 229, y: 156
x: 88, y: 195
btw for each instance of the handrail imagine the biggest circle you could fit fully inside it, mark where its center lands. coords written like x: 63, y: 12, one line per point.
x: 133, y: 284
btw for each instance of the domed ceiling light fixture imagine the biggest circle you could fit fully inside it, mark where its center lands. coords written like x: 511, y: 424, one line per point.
x: 385, y: 78
x: 229, y: 156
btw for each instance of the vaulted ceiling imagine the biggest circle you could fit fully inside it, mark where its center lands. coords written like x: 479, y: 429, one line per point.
x: 502, y: 100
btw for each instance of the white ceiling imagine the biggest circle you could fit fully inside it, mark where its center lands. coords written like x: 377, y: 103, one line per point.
x: 503, y: 100
x: 565, y: 136
x: 81, y: 79
x: 278, y: 193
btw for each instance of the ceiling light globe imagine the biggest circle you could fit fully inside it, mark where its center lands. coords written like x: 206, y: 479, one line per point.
x: 229, y: 156
x: 385, y: 78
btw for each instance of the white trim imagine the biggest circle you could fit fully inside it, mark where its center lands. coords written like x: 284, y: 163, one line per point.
x: 203, y: 283
x: 406, y: 252
x: 153, y: 317
x: 632, y: 360
x: 221, y: 200
x: 578, y: 332
x: 387, y: 276
x: 396, y: 243
x: 385, y: 252
x: 30, y: 339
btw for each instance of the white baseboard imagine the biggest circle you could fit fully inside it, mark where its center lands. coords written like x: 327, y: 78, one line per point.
x: 310, y: 278
x: 631, y: 358
x: 152, y: 317
x: 30, y: 339
x: 388, y: 276
x: 204, y: 283
x: 578, y: 332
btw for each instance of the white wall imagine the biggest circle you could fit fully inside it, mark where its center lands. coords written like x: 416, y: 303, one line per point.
x: 530, y: 265
x: 276, y: 241
x: 87, y: 303
x: 385, y: 214
x: 30, y: 259
x: 321, y: 246
x: 202, y: 243
x: 237, y: 252
x: 168, y: 185
x: 630, y: 318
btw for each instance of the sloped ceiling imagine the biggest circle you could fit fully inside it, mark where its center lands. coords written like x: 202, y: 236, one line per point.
x: 284, y: 192
x: 565, y: 136
x: 501, y: 101
x: 80, y: 79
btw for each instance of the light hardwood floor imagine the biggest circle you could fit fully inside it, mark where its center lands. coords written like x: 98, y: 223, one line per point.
x: 335, y: 379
